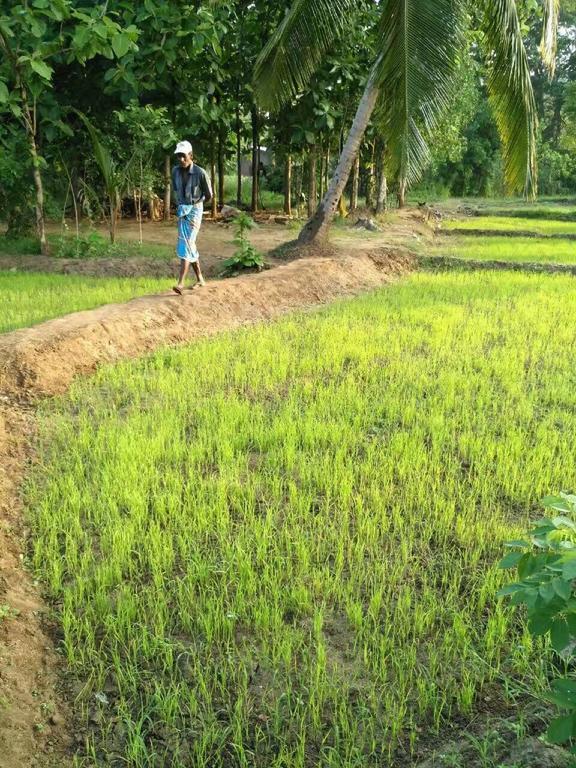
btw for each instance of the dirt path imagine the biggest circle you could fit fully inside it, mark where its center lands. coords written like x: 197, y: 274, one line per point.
x: 34, y: 717
x: 35, y: 722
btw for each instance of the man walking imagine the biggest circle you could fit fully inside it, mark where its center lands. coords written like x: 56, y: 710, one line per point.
x: 191, y: 190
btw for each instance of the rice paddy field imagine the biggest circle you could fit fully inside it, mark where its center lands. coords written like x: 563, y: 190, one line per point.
x: 28, y: 298
x: 517, y: 249
x: 278, y: 548
x: 510, y: 224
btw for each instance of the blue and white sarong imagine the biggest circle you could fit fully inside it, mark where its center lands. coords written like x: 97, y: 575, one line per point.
x: 189, y: 221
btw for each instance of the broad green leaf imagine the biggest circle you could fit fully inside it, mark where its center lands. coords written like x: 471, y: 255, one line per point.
x: 560, y: 729
x: 562, y: 699
x: 41, y: 68
x: 539, y: 624
x: 511, y: 560
x: 121, y: 45
x: 562, y: 588
x: 569, y: 569
x: 4, y: 93
x: 547, y: 592
x: 565, y: 684
x: 559, y: 634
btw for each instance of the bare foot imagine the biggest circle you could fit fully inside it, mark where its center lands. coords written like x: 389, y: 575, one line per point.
x: 178, y: 289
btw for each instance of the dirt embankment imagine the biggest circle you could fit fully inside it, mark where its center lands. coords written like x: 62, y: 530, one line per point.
x: 44, y: 359
x: 36, y: 724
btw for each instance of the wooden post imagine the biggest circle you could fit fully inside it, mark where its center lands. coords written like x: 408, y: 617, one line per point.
x: 288, y: 185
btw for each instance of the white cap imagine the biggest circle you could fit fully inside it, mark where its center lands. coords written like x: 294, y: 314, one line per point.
x: 183, y: 147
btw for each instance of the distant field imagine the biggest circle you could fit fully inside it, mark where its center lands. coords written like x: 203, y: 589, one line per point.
x: 278, y: 548
x: 31, y: 297
x: 518, y: 249
x: 558, y: 213
x: 512, y: 224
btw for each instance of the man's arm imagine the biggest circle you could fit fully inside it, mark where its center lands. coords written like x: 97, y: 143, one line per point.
x: 206, y: 187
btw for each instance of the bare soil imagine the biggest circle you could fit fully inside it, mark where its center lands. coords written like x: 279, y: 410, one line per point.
x: 215, y: 245
x: 36, y: 722
x: 34, y: 717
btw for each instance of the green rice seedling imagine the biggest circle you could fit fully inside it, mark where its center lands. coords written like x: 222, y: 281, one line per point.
x: 536, y: 250
x: 558, y: 213
x: 278, y: 548
x: 28, y: 298
x: 513, y: 224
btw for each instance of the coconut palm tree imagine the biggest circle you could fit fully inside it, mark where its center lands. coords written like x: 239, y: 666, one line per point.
x: 409, y: 86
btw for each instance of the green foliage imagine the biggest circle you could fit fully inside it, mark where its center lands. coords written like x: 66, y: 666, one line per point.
x: 90, y: 245
x: 546, y: 566
x: 246, y: 257
x: 16, y: 199
x: 417, y: 71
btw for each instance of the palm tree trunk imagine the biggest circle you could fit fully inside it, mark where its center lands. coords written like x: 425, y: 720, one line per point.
x: 401, y: 193
x: 317, y: 227
x: 167, y: 187
x: 312, y: 181
x: 355, y: 180
x: 382, y: 196
x: 382, y: 199
x: 288, y: 185
x: 371, y: 178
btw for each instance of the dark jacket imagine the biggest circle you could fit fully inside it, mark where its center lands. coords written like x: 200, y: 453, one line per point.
x: 196, y: 189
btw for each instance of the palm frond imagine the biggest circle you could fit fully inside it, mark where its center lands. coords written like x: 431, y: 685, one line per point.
x: 510, y: 94
x: 419, y: 42
x: 297, y: 47
x: 102, y: 156
x: 549, y: 34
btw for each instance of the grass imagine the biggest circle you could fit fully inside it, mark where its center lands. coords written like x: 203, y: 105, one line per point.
x: 89, y: 245
x: 277, y: 548
x: 521, y: 249
x: 543, y: 227
x: 272, y: 201
x: 28, y: 298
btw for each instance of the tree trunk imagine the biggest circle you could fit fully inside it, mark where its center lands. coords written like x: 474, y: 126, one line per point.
x: 221, y: 140
x: 382, y: 197
x: 238, y: 155
x: 355, y: 180
x: 326, y: 165
x: 300, y: 178
x: 322, y: 188
x: 38, y: 185
x: 317, y: 227
x: 288, y: 185
x: 401, y: 193
x: 312, y: 181
x: 255, y: 160
x: 213, y: 202
x: 370, y: 181
x: 167, y: 187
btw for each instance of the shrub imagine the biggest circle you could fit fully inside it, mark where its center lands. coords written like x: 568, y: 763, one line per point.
x: 546, y: 565
x: 246, y: 257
